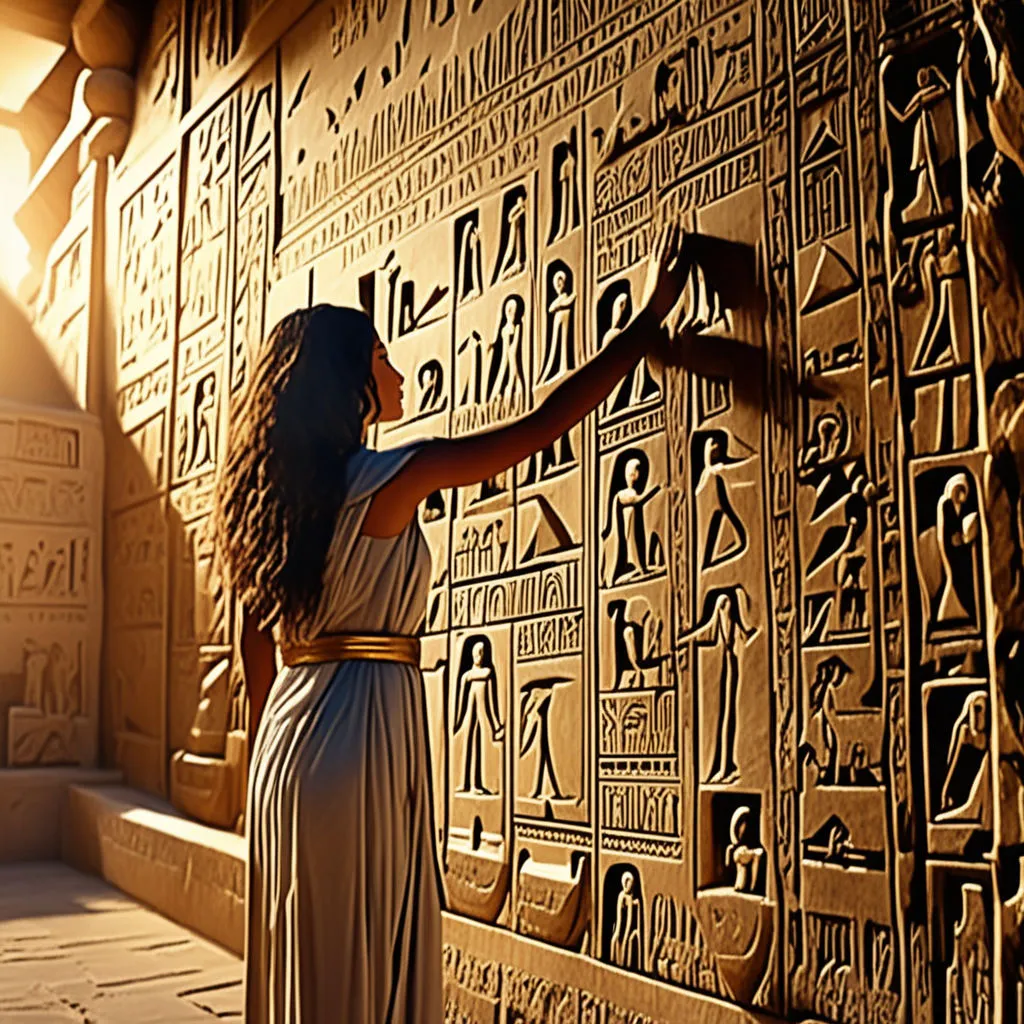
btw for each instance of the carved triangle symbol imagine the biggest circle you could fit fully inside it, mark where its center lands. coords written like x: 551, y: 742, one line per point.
x: 833, y: 279
x: 550, y: 535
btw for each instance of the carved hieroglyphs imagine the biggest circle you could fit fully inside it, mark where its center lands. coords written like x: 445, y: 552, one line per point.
x: 51, y: 499
x: 721, y: 683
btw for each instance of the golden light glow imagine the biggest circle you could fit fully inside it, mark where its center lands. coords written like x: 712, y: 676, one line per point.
x: 13, y: 187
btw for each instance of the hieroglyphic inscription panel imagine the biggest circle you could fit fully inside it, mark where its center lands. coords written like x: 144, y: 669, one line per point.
x: 720, y: 683
x: 51, y: 480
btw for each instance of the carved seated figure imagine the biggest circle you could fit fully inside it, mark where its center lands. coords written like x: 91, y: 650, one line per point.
x: 208, y: 779
x: 747, y: 859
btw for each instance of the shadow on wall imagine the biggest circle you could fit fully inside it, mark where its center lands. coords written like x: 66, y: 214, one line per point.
x: 29, y: 375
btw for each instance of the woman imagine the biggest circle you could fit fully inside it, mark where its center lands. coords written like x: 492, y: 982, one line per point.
x: 320, y: 542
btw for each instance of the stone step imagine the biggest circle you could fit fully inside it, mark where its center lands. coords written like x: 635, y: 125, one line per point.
x: 195, y: 875
x: 32, y: 804
x: 190, y: 873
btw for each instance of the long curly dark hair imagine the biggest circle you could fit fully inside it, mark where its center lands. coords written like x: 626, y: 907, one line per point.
x: 282, y: 481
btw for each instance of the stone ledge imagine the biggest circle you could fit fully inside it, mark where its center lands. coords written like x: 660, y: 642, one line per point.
x: 32, y: 805
x: 191, y: 873
x: 612, y: 986
x: 195, y: 875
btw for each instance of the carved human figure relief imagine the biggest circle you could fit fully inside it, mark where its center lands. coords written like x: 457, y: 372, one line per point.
x: 956, y: 603
x: 205, y: 427
x: 969, y: 974
x: 639, y: 384
x: 506, y: 379
x: 513, y: 254
x: 471, y: 355
x: 819, y: 744
x: 470, y: 265
x: 624, y: 949
x: 637, y: 644
x: 934, y: 276
x: 928, y: 200
x: 536, y: 700
x: 742, y: 855
x: 565, y: 212
x: 560, y: 349
x: 724, y: 535
x: 632, y: 548
x: 476, y: 707
x: 723, y: 626
x: 964, y: 787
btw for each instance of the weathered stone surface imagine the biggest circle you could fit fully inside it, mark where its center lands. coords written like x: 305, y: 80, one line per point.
x: 73, y: 949
x: 722, y: 685
x: 191, y: 873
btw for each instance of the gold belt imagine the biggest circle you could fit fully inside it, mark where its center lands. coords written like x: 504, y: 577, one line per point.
x: 353, y: 647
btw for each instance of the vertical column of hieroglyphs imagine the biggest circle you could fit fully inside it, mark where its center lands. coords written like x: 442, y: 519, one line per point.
x: 209, y: 44
x: 779, y: 427
x: 200, y: 619
x: 843, y: 962
x: 50, y: 509
x: 709, y: 171
x: 553, y: 667
x: 144, y: 318
x: 938, y: 358
x: 642, y: 916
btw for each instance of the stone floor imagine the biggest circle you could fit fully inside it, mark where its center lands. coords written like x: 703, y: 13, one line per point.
x: 74, y: 949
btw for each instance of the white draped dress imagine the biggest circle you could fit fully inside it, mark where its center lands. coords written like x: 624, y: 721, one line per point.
x: 344, y: 908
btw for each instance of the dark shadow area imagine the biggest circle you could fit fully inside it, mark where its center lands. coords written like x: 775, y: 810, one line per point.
x: 28, y: 374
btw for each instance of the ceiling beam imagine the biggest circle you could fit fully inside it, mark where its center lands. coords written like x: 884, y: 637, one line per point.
x: 45, y: 19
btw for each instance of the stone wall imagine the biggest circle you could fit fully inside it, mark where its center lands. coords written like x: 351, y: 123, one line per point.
x: 51, y: 597
x: 757, y: 732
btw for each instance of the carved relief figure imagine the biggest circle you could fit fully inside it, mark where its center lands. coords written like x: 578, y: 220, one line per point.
x: 820, y: 742
x: 506, y: 379
x: 625, y: 943
x: 535, y: 734
x: 957, y: 532
x: 204, y: 419
x: 722, y: 625
x: 969, y: 975
x: 630, y: 551
x: 967, y: 764
x: 560, y: 355
x: 430, y: 379
x: 725, y: 537
x: 637, y: 633
x: 51, y: 679
x: 472, y: 348
x: 470, y: 272
x: 638, y: 385
x: 745, y: 858
x: 565, y: 213
x: 476, y: 704
x: 928, y: 201
x: 513, y: 257
x: 934, y: 274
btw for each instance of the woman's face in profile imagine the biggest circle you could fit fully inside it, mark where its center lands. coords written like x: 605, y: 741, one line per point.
x: 389, y: 384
